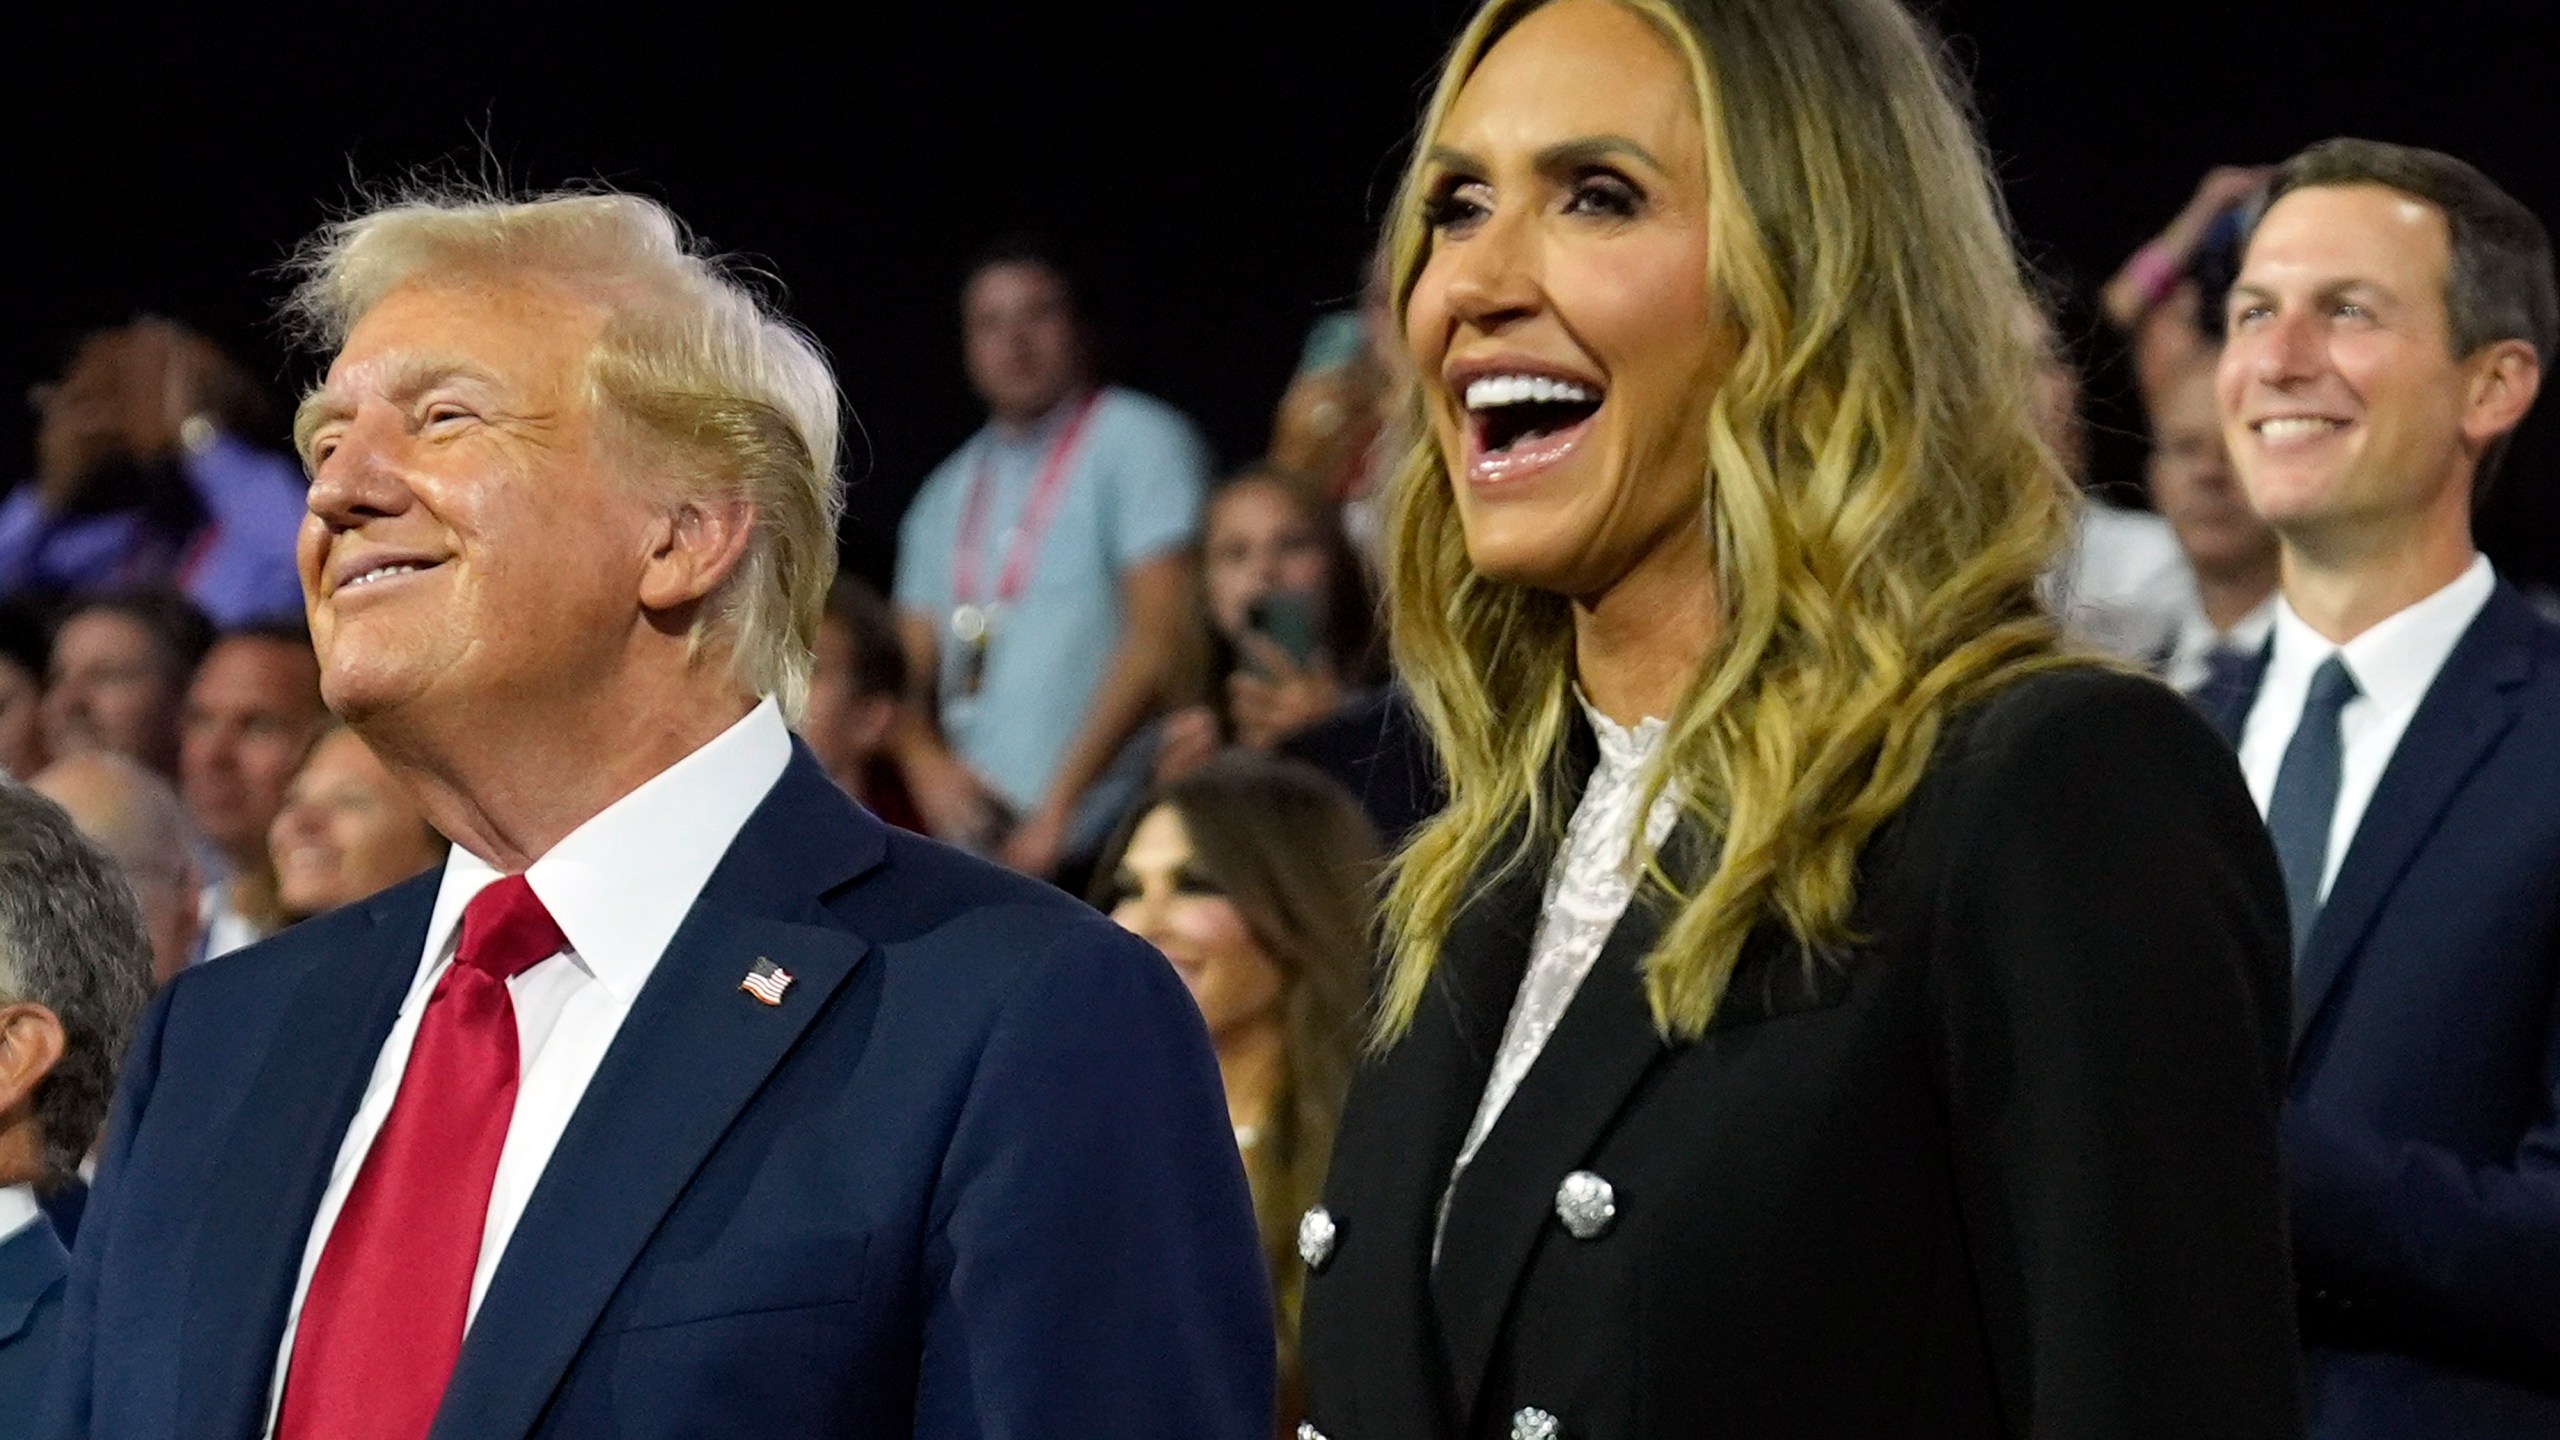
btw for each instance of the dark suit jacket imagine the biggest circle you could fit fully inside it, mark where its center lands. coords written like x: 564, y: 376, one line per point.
x: 972, y: 1177
x: 2425, y: 1129
x: 2009, y: 1168
x: 33, y: 1266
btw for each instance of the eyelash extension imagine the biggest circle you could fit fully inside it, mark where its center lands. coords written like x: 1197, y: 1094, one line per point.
x: 1442, y: 206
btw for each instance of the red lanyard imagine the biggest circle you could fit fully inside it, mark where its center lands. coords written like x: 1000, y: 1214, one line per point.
x: 1037, y: 512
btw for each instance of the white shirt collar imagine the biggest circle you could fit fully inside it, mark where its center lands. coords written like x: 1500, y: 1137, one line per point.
x: 620, y: 884
x: 18, y: 1210
x: 2392, y: 662
x: 2197, y: 635
x: 1622, y: 747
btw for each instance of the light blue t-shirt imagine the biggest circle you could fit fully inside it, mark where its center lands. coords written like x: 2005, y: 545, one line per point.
x: 1133, y: 492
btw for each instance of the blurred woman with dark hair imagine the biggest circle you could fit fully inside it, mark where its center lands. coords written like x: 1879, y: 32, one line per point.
x: 1253, y: 875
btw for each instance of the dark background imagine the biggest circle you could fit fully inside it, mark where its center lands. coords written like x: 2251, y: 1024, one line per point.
x: 1219, y: 168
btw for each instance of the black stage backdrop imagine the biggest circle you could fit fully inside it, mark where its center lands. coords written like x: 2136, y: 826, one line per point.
x: 1219, y: 169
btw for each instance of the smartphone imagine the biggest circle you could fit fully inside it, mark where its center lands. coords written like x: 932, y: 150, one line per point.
x: 1287, y: 619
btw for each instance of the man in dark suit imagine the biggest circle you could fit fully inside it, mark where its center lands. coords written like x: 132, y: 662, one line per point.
x: 75, y: 970
x: 2386, y: 335
x: 687, y: 1098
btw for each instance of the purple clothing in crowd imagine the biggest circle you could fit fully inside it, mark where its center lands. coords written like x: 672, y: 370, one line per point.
x: 237, y: 567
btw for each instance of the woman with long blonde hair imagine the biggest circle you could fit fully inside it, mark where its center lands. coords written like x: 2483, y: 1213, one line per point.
x: 1825, y: 1007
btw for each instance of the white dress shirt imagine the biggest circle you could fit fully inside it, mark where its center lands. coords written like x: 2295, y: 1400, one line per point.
x: 2123, y: 583
x: 619, y: 886
x: 2393, y: 663
x: 2191, y: 649
x: 220, y: 928
x: 18, y: 1210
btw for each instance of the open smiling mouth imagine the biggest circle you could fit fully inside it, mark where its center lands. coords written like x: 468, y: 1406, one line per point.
x: 376, y: 574
x: 1524, y: 423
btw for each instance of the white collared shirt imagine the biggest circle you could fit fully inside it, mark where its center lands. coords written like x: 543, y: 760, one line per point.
x: 18, y: 1210
x: 2191, y: 650
x: 619, y: 886
x: 2393, y: 664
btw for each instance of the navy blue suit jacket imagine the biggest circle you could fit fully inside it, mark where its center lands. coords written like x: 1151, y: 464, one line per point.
x: 33, y: 1266
x: 972, y: 1177
x: 2424, y: 1132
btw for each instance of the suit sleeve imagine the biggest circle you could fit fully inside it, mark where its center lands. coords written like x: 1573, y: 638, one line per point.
x: 2415, y: 1242
x: 64, y: 1412
x: 2111, y: 967
x: 1093, y: 1268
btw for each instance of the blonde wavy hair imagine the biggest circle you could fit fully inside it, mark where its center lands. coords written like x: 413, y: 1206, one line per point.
x: 1879, y: 501
x: 722, y: 396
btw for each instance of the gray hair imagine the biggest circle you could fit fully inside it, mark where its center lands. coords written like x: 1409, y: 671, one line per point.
x: 71, y: 940
x: 730, y: 399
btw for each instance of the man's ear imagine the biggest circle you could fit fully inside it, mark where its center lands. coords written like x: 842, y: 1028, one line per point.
x: 694, y: 548
x: 2504, y: 378
x: 31, y: 1042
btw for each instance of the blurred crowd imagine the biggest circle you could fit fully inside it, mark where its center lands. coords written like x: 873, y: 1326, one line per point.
x: 1099, y: 660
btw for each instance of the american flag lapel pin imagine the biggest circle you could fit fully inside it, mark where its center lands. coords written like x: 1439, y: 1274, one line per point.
x: 766, y: 981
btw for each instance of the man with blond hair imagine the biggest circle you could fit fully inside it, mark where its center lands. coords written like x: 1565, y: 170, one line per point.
x: 686, y: 1098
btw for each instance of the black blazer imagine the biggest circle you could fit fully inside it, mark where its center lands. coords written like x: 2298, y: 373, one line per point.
x: 2008, y: 1169
x: 2424, y: 1135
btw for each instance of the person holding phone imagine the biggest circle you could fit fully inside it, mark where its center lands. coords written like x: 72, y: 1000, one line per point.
x: 1289, y: 635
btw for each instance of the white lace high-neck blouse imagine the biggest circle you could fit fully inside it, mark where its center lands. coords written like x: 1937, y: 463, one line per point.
x: 1588, y: 888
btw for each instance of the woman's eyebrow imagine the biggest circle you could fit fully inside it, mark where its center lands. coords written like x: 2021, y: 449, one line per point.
x: 1567, y: 154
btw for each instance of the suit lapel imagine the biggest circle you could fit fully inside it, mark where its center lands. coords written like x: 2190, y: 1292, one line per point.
x: 1601, y: 1049
x: 2471, y: 704
x: 357, y: 966
x: 1401, y: 1134
x: 690, y: 1055
x: 31, y: 1262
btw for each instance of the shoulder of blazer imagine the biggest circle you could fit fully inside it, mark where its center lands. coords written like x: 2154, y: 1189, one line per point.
x: 2086, y: 728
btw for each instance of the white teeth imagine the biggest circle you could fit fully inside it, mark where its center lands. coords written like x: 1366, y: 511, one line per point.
x: 2295, y: 427
x: 1495, y: 390
x: 370, y: 576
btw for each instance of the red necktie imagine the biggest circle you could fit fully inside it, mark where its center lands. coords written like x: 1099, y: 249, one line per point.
x: 382, y: 1321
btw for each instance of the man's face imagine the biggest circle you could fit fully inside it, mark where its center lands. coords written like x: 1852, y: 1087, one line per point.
x: 1020, y: 339
x: 472, y: 543
x: 251, y: 715
x: 2342, y: 400
x: 111, y: 688
x: 2194, y: 489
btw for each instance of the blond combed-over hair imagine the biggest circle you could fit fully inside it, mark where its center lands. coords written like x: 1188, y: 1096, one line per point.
x: 720, y: 396
x: 1879, y: 501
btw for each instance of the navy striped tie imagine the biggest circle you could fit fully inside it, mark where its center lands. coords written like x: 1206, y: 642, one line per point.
x: 2306, y: 798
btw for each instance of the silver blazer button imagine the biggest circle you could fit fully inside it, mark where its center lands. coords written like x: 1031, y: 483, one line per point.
x: 1316, y: 1232
x: 1584, y: 1202
x: 1532, y: 1423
